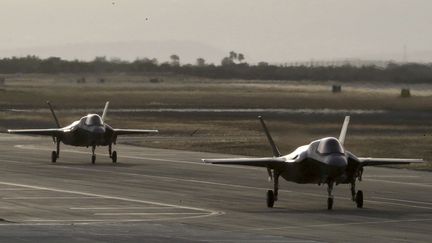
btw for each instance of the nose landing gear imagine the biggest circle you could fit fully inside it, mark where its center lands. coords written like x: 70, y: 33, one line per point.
x: 93, y: 158
x: 330, y: 196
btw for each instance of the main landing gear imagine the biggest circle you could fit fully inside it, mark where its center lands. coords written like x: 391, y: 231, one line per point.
x: 113, y: 155
x: 272, y: 196
x: 357, y: 197
x: 56, y: 154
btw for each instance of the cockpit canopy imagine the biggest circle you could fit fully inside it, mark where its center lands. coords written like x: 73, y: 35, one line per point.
x: 93, y: 120
x: 330, y: 146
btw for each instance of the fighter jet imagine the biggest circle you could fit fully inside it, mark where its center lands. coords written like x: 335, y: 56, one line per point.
x: 89, y: 131
x: 323, y: 161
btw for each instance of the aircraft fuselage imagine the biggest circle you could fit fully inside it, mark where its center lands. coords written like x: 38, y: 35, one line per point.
x: 319, y: 162
x: 88, y: 131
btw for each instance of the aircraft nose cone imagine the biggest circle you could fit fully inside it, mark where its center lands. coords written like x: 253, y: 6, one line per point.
x: 98, y: 130
x: 338, y: 161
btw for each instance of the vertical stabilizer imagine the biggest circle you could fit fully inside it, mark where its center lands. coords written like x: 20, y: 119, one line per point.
x: 53, y: 114
x: 275, y: 149
x: 105, y: 111
x: 344, y: 130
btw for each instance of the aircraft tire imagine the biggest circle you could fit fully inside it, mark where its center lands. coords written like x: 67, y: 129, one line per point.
x: 270, y: 198
x: 359, y: 199
x: 114, y: 157
x: 53, y: 156
x: 330, y: 203
x: 93, y: 159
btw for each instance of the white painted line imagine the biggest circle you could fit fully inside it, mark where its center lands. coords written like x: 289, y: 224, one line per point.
x: 117, y: 208
x: 398, y: 204
x: 199, y: 163
x: 400, y: 200
x: 17, y: 189
x: 44, y: 198
x: 402, y: 183
x: 119, y: 214
x: 391, y: 176
x: 345, y: 224
x: 207, y: 212
x: 249, y: 187
x: 231, y: 185
x: 151, y: 176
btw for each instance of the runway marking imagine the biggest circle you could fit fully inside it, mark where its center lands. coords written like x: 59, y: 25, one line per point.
x: 17, y: 189
x: 400, y: 200
x: 232, y: 185
x: 43, y: 198
x: 344, y: 224
x: 116, y: 214
x: 240, y: 186
x: 149, y: 176
x: 390, y: 176
x: 402, y: 183
x: 199, y: 163
x: 398, y: 204
x: 205, y: 212
x: 117, y: 208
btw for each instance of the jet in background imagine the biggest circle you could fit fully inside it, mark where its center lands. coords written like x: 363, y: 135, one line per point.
x: 324, y: 161
x: 89, y: 131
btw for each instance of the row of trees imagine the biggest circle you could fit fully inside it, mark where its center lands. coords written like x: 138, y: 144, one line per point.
x: 232, y: 66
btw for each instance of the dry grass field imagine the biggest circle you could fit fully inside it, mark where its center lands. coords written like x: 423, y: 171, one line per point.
x: 383, y: 124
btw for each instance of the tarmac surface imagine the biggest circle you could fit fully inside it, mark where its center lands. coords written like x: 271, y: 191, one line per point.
x: 157, y: 195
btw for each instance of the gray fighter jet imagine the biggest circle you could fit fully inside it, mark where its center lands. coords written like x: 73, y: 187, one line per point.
x: 324, y: 161
x: 89, y: 131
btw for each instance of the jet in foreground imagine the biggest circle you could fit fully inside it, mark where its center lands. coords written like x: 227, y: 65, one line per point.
x: 324, y: 161
x: 89, y: 131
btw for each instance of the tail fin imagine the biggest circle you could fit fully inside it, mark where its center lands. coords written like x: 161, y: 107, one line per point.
x: 53, y: 114
x: 275, y: 149
x: 105, y: 111
x: 344, y: 130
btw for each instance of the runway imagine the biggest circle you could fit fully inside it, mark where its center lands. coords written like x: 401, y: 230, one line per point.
x: 157, y: 195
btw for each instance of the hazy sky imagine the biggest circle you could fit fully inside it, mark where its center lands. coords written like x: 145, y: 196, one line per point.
x: 271, y: 30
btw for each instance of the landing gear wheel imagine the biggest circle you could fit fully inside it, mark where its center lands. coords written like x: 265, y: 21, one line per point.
x: 93, y: 159
x: 114, y: 157
x: 53, y: 156
x: 270, y: 198
x: 359, y: 199
x: 330, y: 203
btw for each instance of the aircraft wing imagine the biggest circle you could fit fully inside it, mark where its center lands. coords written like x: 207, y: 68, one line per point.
x: 52, y: 132
x: 133, y: 131
x: 269, y: 162
x: 387, y: 161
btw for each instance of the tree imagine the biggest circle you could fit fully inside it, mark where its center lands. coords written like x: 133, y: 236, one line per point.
x: 227, y: 61
x: 263, y: 64
x: 200, y: 62
x: 232, y: 55
x: 175, y: 60
x: 240, y: 57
